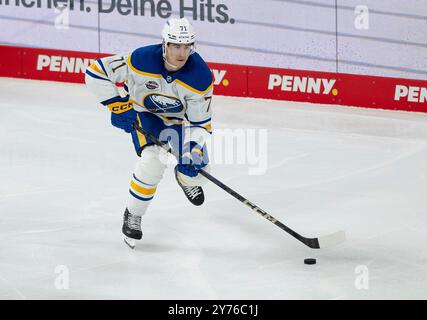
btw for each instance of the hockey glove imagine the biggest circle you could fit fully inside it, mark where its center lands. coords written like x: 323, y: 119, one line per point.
x: 192, y: 160
x: 122, y: 113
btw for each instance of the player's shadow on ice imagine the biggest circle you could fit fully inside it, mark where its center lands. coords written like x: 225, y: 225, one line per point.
x: 153, y: 247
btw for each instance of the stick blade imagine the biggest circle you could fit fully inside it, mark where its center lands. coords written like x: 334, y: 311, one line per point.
x: 332, y: 239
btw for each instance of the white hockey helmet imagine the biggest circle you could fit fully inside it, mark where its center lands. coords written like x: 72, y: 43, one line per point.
x: 179, y: 31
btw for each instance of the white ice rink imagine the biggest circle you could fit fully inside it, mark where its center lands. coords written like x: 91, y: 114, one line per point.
x: 65, y: 173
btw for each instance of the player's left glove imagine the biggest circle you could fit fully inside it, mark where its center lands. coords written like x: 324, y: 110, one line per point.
x: 124, y: 120
x: 192, y: 160
x: 122, y: 113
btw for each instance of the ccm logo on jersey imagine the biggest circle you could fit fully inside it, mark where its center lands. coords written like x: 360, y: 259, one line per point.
x: 412, y: 94
x: 302, y: 84
x: 63, y: 64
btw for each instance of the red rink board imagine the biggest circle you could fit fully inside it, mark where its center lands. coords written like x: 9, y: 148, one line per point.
x: 337, y: 88
x: 229, y: 80
x: 11, y: 61
x: 56, y: 65
x: 239, y: 80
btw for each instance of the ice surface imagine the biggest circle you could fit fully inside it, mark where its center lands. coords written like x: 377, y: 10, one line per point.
x: 64, y: 183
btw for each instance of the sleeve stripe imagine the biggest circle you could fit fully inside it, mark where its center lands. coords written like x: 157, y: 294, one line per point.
x: 208, y: 128
x: 94, y: 67
x: 102, y: 66
x: 111, y: 100
x: 199, y: 122
x: 95, y: 76
x: 174, y: 118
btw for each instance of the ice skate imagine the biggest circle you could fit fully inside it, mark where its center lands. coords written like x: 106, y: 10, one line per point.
x: 194, y: 194
x: 131, y: 228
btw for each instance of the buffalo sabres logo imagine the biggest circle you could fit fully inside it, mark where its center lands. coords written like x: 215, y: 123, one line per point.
x: 158, y: 103
x: 152, y: 85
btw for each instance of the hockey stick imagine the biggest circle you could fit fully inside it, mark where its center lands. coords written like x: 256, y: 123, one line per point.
x: 314, y: 243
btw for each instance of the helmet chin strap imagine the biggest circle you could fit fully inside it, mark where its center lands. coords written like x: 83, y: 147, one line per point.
x: 165, y: 47
x: 169, y: 64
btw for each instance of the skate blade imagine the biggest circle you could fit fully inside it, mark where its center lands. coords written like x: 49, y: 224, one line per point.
x: 130, y: 242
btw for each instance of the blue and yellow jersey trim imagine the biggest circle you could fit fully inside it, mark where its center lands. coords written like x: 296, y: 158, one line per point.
x: 207, y: 127
x: 147, y: 61
x: 125, y: 87
x: 205, y: 124
x: 96, y: 70
x: 143, y: 73
x: 171, y: 120
x: 194, y: 89
x: 194, y: 76
x: 158, y: 76
x: 142, y: 140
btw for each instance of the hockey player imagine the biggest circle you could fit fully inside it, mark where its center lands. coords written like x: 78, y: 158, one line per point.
x: 168, y: 91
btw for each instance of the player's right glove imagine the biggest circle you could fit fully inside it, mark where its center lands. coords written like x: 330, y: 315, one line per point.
x: 122, y: 113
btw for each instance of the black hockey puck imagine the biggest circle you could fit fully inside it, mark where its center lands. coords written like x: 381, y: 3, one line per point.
x: 310, y: 261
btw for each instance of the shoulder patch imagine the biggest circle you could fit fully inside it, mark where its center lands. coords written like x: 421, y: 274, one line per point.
x: 196, y: 75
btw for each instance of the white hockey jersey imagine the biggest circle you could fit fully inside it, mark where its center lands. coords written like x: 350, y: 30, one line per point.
x: 181, y: 97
